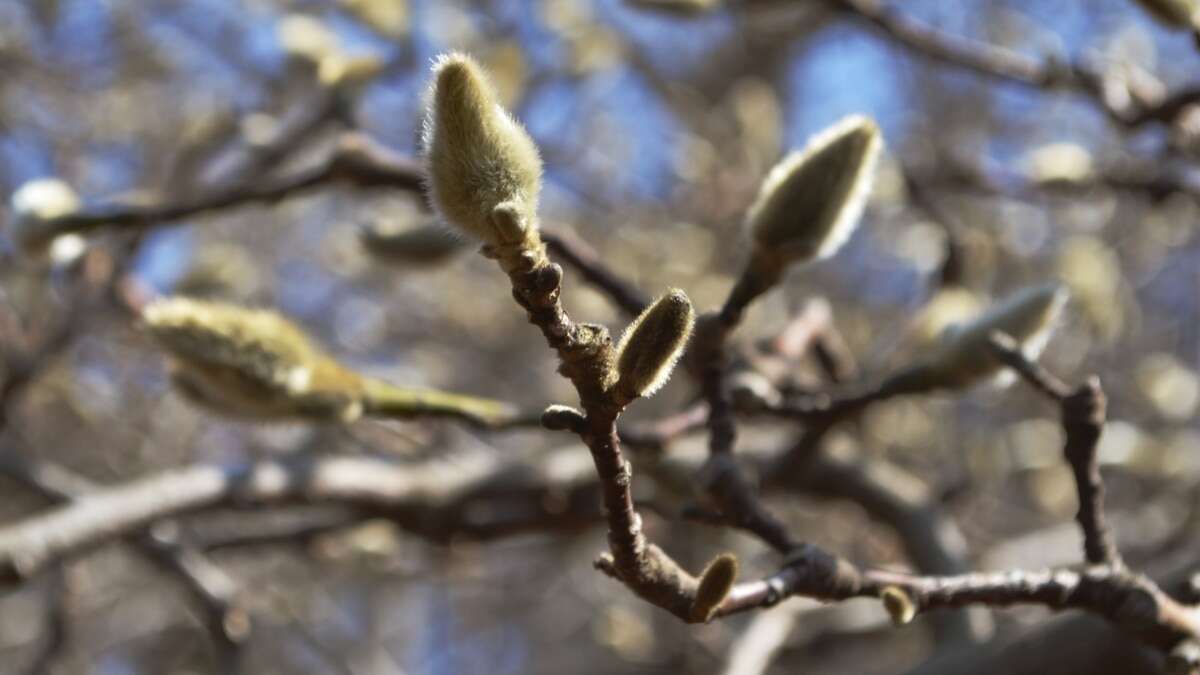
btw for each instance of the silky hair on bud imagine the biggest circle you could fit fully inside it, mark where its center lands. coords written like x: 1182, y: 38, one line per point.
x: 715, y: 583
x: 964, y: 355
x: 810, y: 202
x: 651, y: 345
x: 249, y: 362
x: 478, y: 158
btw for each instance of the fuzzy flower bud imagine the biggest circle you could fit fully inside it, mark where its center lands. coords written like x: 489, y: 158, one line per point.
x: 36, y: 203
x: 484, y: 169
x: 810, y: 203
x: 715, y: 584
x: 964, y: 356
x: 421, y: 246
x: 250, y: 363
x: 651, y: 345
x: 1175, y: 13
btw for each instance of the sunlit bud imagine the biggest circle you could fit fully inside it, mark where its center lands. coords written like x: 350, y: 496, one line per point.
x: 36, y: 204
x: 1060, y: 164
x: 899, y: 605
x: 715, y: 583
x: 964, y: 355
x: 419, y: 246
x: 305, y: 37
x: 651, y: 345
x: 676, y: 7
x: 810, y: 203
x: 1177, y: 13
x: 484, y: 169
x: 562, y: 418
x: 250, y: 363
x: 341, y: 70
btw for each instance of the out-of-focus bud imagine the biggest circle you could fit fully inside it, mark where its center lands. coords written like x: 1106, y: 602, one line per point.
x: 676, y: 7
x: 306, y: 38
x: 964, y: 355
x: 389, y: 17
x: 715, y: 583
x: 484, y: 169
x: 35, y: 205
x: 1174, y: 13
x: 250, y: 363
x: 651, y: 345
x: 1060, y: 164
x: 899, y: 605
x: 347, y: 72
x: 420, y: 246
x: 810, y: 203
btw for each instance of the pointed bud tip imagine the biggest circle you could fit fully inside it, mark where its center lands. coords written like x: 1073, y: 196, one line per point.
x: 477, y: 156
x: 810, y: 202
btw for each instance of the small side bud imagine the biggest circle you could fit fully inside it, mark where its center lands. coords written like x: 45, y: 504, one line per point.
x: 651, y: 345
x: 562, y: 418
x: 484, y: 169
x: 37, y: 203
x: 964, y: 355
x: 900, y: 607
x: 715, y: 583
x: 810, y: 203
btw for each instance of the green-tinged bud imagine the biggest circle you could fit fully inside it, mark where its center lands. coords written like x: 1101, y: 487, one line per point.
x: 250, y: 363
x: 964, y: 355
x: 386, y: 400
x: 484, y: 169
x: 810, y: 203
x: 900, y: 607
x: 651, y: 345
x: 676, y: 7
x: 35, y: 205
x: 1174, y: 13
x: 715, y: 583
x: 422, y: 246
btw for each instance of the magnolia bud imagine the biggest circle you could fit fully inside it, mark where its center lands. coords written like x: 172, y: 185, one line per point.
x: 421, y: 246
x: 1176, y: 13
x: 250, y: 363
x: 479, y: 159
x: 810, y: 203
x: 715, y: 583
x: 676, y: 7
x: 964, y: 355
x: 37, y: 203
x: 899, y: 605
x: 651, y: 345
x: 306, y: 38
x: 562, y: 418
